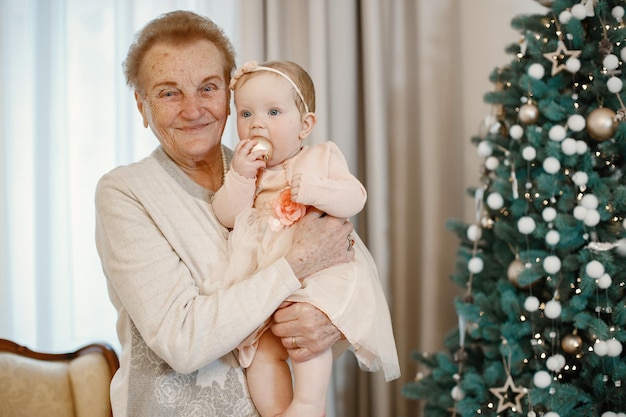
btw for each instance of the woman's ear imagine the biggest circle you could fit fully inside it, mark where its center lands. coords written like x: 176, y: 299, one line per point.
x: 308, y: 123
x: 141, y: 108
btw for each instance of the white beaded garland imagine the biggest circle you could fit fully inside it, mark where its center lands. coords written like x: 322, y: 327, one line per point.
x: 576, y: 123
x: 531, y: 304
x: 484, y: 149
x: 614, y: 85
x: 581, y: 178
x: 536, y: 71
x: 594, y: 269
x: 557, y: 133
x: 475, y: 265
x: 553, y: 237
x: 553, y: 309
x: 495, y: 201
x: 526, y: 225
x: 516, y: 132
x: 568, y: 146
x: 474, y: 232
x: 552, y: 264
x: 542, y: 379
x: 548, y: 214
x: 610, y: 62
x: 551, y: 165
x: 491, y: 163
x: 618, y: 13
x: 604, y: 281
x: 529, y: 153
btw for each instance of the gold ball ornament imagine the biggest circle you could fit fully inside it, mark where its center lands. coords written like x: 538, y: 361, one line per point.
x: 528, y: 113
x: 515, y: 269
x: 571, y: 343
x: 264, y: 145
x: 601, y: 123
x: 547, y: 3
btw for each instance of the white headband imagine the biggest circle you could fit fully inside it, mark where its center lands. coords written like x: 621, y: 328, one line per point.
x: 252, y: 66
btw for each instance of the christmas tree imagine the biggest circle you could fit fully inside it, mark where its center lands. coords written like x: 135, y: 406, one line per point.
x: 542, y: 321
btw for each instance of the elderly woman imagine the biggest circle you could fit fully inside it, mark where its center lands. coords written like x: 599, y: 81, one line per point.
x: 159, y: 241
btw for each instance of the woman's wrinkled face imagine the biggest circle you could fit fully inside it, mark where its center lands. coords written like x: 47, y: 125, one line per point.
x: 183, y: 97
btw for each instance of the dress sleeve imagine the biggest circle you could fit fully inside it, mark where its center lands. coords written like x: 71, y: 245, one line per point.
x: 235, y: 195
x: 150, y: 278
x: 331, y: 187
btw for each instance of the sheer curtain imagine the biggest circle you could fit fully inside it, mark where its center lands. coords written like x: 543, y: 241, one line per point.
x: 66, y: 117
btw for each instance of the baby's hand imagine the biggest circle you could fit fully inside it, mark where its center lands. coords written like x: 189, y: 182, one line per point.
x: 296, y: 179
x: 246, y: 162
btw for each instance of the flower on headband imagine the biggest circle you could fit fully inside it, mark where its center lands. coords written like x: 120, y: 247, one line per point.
x: 286, y: 212
x: 250, y: 66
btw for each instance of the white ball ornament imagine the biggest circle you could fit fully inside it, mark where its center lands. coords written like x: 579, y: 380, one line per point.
x: 621, y: 247
x: 572, y: 65
x: 457, y: 393
x: 516, y: 132
x: 551, y: 414
x: 536, y: 71
x: 581, y: 147
x: 526, y: 225
x: 531, y: 304
x: 614, y: 347
x: 589, y: 201
x: 576, y: 123
x: 620, y: 415
x: 614, y: 85
x: 552, y: 309
x: 618, y: 13
x: 557, y: 133
x: 552, y: 264
x: 581, y: 179
x: 548, y: 214
x: 568, y: 146
x: 604, y: 281
x: 622, y: 54
x: 529, y: 153
x: 601, y: 348
x: 594, y: 269
x: 495, y: 201
x: 580, y: 213
x: 579, y: 12
x: 474, y: 232
x: 551, y: 165
x: 491, y: 163
x: 610, y: 62
x: 475, y: 265
x: 592, y: 218
x: 565, y: 16
x: 484, y: 149
x: 542, y: 379
x: 608, y: 414
x: 555, y: 363
x: 553, y: 238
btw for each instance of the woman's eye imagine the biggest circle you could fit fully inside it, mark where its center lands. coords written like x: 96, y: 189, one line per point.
x: 209, y: 89
x: 273, y: 112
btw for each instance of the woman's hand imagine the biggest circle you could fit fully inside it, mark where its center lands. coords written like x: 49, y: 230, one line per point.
x: 319, y: 242
x: 304, y: 330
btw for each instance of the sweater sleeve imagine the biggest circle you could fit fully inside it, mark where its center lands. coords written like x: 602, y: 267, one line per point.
x: 154, y: 258
x: 235, y: 195
x: 331, y: 187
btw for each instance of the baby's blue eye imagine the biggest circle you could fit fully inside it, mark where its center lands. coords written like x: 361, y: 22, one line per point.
x: 246, y: 113
x: 273, y: 112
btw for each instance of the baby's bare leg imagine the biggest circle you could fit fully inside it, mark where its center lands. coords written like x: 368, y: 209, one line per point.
x: 311, y: 379
x: 269, y: 378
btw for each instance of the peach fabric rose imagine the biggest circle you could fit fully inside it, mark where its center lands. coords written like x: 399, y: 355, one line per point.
x: 287, y: 212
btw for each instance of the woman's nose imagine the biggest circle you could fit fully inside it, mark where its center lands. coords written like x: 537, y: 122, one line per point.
x: 192, y: 106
